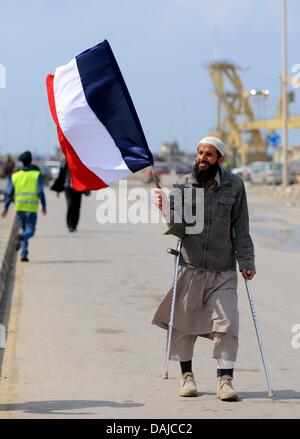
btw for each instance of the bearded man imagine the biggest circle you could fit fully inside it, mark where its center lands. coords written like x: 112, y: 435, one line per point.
x: 206, y: 296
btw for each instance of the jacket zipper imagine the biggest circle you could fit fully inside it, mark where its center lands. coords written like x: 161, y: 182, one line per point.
x: 208, y: 224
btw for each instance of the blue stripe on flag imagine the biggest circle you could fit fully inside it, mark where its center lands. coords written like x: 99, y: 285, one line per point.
x: 107, y: 95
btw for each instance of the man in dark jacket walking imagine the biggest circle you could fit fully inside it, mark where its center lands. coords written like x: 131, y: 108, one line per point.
x: 206, y: 300
x: 73, y: 197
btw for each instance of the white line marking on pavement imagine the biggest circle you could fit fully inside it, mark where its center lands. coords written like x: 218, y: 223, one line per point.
x: 2, y: 336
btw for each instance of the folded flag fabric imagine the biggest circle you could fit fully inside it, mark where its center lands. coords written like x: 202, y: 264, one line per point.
x: 98, y: 128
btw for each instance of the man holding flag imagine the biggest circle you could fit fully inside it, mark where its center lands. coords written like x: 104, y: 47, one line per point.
x: 103, y: 141
x: 206, y: 293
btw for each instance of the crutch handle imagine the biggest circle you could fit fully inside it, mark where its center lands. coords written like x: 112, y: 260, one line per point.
x: 171, y: 251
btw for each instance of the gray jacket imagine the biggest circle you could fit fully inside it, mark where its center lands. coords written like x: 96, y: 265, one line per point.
x: 225, y: 238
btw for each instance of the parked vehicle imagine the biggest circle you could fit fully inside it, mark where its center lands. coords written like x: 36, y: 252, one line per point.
x: 50, y: 171
x: 244, y: 172
x: 160, y: 169
x: 269, y: 173
x: 2, y: 189
x: 164, y: 168
x: 294, y: 167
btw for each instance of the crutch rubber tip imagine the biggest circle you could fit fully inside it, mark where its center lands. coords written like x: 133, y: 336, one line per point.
x: 271, y: 394
x: 171, y: 251
x: 165, y: 375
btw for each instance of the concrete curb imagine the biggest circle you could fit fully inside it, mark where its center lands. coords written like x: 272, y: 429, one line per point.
x: 7, y: 255
x: 7, y: 261
x: 292, y: 192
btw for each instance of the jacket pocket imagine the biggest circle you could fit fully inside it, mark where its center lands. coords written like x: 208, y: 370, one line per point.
x: 224, y: 206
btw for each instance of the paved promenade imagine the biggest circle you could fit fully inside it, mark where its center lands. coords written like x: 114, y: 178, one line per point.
x: 80, y: 343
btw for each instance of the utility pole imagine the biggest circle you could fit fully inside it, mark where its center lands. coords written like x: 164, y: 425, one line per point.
x: 284, y: 98
x: 219, y: 114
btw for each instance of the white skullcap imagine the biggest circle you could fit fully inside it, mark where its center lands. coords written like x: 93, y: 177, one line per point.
x: 214, y: 141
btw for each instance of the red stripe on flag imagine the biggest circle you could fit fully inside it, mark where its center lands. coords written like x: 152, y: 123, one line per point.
x: 83, y: 179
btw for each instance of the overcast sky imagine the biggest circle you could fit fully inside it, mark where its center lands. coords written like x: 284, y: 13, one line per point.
x: 163, y: 48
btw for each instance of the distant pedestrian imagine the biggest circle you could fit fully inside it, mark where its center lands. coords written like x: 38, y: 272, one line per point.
x: 8, y: 167
x: 227, y: 165
x: 26, y: 189
x: 73, y: 197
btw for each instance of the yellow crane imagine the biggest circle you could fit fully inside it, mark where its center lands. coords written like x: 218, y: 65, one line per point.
x: 276, y: 122
x: 236, y: 123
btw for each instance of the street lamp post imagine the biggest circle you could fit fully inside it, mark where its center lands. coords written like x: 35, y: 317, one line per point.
x: 284, y: 90
x: 261, y: 94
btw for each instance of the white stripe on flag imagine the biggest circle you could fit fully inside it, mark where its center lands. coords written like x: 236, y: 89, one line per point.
x: 83, y: 130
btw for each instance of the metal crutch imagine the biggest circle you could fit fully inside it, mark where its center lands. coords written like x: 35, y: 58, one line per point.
x: 176, y: 253
x: 271, y: 393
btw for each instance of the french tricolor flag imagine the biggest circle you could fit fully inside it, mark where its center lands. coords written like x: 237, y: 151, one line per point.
x: 98, y: 128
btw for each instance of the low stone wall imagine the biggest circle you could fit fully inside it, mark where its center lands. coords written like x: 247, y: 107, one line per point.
x: 7, y: 250
x: 291, y: 192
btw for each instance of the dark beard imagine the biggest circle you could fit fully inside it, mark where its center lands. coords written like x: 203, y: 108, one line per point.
x: 203, y: 176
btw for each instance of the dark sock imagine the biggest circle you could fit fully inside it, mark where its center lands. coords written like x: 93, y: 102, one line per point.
x: 222, y: 372
x: 186, y: 366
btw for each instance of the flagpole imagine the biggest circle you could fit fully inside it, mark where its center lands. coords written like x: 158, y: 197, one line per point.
x: 155, y: 177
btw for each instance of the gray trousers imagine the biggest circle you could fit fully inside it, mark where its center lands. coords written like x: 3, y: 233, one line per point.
x: 182, y: 346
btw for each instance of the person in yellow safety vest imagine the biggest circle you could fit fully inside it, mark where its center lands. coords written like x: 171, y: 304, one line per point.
x: 26, y: 189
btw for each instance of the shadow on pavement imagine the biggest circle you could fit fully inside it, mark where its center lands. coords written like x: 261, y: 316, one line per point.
x: 57, y: 407
x: 87, y: 261
x: 279, y: 395
x: 104, y: 232
x: 79, y: 234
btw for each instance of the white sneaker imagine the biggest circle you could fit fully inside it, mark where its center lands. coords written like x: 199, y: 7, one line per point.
x: 225, y: 390
x: 188, y: 386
